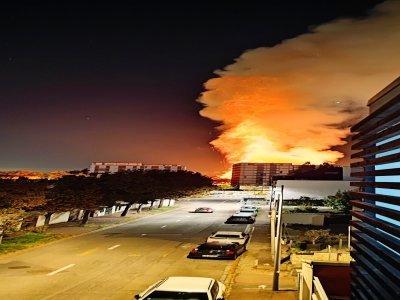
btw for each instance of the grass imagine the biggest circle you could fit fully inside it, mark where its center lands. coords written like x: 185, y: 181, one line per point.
x: 26, y: 240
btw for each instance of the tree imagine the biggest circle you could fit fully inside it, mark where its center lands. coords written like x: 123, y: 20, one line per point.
x: 22, y: 193
x: 127, y: 187
x: 315, y: 235
x: 75, y: 192
x: 178, y: 184
x: 10, y: 220
x: 146, y: 186
x: 340, y: 201
x: 17, y: 197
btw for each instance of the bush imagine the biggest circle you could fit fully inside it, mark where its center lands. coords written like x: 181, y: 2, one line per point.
x: 300, y: 245
x: 340, y: 201
x: 305, y: 201
x: 305, y: 209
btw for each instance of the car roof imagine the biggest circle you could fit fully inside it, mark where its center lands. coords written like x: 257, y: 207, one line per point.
x: 189, y: 284
x: 242, y: 214
x: 228, y: 232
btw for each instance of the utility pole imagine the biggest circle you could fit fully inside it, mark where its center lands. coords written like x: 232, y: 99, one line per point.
x: 272, y: 212
x: 277, y: 258
x: 273, y: 226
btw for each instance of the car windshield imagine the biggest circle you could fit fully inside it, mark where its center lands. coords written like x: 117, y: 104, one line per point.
x: 164, y: 295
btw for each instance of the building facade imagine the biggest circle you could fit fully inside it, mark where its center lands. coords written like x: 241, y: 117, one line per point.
x: 114, y: 167
x: 258, y: 174
x: 375, y: 228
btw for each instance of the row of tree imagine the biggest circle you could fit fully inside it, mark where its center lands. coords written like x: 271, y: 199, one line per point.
x: 18, y: 197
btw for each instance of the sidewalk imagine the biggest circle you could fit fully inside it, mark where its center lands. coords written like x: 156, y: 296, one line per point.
x: 252, y: 275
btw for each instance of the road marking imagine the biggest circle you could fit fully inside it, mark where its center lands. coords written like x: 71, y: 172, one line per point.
x: 60, y: 270
x: 113, y: 247
x: 143, y: 234
x: 87, y: 252
x: 164, y: 226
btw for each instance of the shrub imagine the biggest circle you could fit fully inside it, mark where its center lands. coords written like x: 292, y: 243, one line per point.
x: 305, y: 209
x: 340, y: 201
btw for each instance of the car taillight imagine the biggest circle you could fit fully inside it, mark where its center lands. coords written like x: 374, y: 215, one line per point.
x: 194, y: 251
x: 230, y: 252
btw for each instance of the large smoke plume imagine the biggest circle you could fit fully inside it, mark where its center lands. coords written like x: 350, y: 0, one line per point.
x: 295, y: 101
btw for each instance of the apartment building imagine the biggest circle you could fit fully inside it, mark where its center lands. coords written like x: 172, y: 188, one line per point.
x: 375, y: 228
x: 114, y: 167
x: 258, y: 174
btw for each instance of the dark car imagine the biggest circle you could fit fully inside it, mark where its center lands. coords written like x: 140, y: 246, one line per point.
x: 241, y: 218
x: 217, y: 250
x: 203, y: 210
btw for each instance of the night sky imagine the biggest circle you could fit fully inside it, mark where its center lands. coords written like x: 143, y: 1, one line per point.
x: 119, y: 82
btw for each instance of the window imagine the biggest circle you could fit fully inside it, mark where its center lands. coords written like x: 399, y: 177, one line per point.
x: 164, y: 295
x: 214, y: 290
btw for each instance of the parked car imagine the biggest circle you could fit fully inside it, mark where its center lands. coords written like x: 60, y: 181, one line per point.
x: 241, y: 218
x: 196, y: 288
x: 203, y: 210
x: 228, y: 237
x: 250, y: 209
x: 217, y: 250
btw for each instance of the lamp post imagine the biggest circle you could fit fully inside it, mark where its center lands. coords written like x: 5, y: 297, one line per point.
x: 277, y: 258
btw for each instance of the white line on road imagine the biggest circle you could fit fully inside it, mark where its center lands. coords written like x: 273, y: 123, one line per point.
x: 60, y: 270
x: 164, y: 226
x: 143, y: 234
x: 113, y: 247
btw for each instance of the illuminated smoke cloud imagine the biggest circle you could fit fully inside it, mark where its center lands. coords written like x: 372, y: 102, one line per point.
x: 294, y: 101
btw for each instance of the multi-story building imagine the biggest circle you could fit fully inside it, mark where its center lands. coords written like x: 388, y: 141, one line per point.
x: 375, y: 226
x: 258, y: 174
x: 114, y: 167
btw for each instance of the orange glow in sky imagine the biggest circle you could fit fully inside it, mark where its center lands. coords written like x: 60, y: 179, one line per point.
x: 295, y: 101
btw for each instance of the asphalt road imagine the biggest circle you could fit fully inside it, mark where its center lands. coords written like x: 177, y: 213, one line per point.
x: 119, y: 262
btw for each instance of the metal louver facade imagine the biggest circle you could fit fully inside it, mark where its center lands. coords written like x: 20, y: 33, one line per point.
x: 375, y: 226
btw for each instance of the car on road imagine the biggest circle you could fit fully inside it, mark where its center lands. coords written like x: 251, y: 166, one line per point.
x: 203, y: 210
x: 241, y: 218
x: 179, y: 287
x: 228, y: 237
x: 216, y: 250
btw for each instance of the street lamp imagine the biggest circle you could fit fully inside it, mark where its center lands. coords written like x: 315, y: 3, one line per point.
x: 277, y: 257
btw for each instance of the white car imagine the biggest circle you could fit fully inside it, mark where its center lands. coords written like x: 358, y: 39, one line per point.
x: 249, y: 209
x: 228, y: 237
x: 194, y: 288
